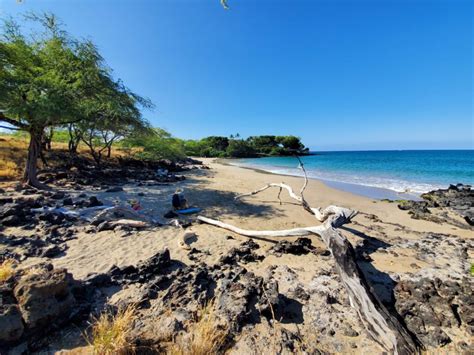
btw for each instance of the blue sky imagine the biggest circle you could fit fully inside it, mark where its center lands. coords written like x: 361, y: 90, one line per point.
x: 339, y: 74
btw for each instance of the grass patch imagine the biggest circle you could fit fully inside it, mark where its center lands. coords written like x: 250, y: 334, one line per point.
x: 204, y: 337
x: 7, y: 269
x: 12, y: 156
x: 111, y: 332
x: 8, y: 169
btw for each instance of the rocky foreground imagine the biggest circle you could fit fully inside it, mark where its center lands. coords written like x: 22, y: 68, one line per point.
x: 263, y: 302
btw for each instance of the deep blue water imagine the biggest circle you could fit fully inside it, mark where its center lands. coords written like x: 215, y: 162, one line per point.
x: 412, y: 171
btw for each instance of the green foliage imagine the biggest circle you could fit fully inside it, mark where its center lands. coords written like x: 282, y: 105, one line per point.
x: 194, y: 148
x: 240, y: 149
x: 49, y: 80
x: 254, y: 146
x: 263, y: 144
x: 60, y: 136
x: 155, y: 144
x: 216, y: 143
x: 44, y: 78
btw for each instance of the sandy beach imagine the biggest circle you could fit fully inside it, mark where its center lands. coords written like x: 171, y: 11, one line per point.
x: 214, y: 191
x: 393, y: 244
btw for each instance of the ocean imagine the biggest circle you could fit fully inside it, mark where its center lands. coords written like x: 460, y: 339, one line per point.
x: 378, y: 174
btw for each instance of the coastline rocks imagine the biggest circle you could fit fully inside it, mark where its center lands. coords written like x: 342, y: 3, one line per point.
x: 79, y: 171
x: 459, y: 198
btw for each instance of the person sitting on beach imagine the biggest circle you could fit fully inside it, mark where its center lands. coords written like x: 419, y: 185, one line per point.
x: 178, y: 200
x: 135, y: 204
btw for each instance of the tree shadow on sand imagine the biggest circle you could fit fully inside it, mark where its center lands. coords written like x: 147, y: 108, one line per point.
x: 213, y: 203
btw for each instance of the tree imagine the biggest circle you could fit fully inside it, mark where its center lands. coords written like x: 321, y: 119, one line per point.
x: 217, y: 142
x: 290, y: 142
x: 110, y: 115
x: 156, y: 144
x: 240, y: 149
x: 263, y: 144
x: 51, y: 79
x: 40, y: 80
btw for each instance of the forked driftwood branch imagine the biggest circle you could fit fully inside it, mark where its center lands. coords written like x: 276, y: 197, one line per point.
x: 386, y: 329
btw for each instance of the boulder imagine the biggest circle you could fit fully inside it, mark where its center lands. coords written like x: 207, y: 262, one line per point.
x: 58, y: 195
x: 45, y: 297
x: 52, y: 251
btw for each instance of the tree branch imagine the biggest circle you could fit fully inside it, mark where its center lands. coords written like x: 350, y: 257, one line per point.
x: 11, y: 128
x: 13, y: 122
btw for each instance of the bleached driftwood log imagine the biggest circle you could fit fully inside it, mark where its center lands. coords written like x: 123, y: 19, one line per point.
x: 383, y: 327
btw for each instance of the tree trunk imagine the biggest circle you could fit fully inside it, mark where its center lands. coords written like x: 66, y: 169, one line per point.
x: 109, y: 151
x: 34, y: 151
x: 97, y: 156
x: 43, y: 158
x: 74, y: 139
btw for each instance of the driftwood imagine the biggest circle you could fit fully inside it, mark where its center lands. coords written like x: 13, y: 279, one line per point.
x: 110, y: 225
x: 386, y: 329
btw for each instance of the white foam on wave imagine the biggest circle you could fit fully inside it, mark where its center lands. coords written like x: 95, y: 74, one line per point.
x: 396, y: 185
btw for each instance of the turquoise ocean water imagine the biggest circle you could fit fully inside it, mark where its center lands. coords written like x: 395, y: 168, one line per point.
x: 379, y: 174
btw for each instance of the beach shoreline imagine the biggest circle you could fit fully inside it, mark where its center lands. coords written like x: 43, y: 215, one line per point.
x: 394, y: 175
x: 374, y: 192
